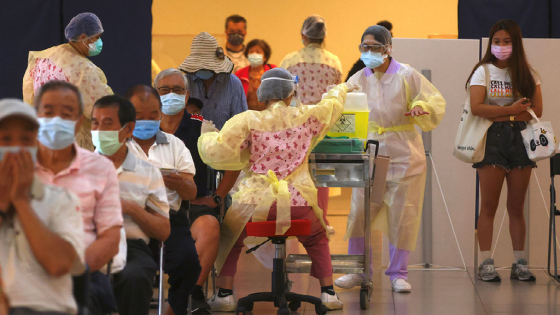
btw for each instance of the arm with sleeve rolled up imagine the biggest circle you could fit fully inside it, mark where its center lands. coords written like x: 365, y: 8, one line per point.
x: 183, y: 183
x: 108, y: 220
x: 225, y: 150
x: 150, y: 222
x: 425, y: 96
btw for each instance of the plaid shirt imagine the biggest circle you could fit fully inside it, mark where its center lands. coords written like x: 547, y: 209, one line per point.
x: 225, y: 97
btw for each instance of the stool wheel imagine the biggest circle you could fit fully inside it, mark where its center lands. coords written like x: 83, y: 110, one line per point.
x: 283, y: 311
x: 294, y: 305
x: 321, y: 309
x: 364, y: 299
x: 240, y: 310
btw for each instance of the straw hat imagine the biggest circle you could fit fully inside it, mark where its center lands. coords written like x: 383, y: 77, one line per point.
x: 206, y: 54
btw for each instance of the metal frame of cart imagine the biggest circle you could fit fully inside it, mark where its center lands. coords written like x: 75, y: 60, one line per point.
x: 348, y: 170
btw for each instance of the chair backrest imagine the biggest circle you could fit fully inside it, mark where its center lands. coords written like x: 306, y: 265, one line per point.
x: 555, y: 165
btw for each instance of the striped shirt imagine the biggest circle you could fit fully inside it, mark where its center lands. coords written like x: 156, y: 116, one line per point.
x: 141, y: 182
x: 225, y: 97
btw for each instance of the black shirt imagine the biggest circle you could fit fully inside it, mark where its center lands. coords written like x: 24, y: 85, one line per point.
x: 189, y: 132
x: 359, y: 65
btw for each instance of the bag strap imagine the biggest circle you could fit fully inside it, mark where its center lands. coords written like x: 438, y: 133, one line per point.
x: 530, y: 111
x: 487, y: 77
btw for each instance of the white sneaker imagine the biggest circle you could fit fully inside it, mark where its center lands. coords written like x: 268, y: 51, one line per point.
x: 332, y: 302
x: 349, y: 281
x: 401, y: 286
x: 330, y: 229
x: 222, y: 304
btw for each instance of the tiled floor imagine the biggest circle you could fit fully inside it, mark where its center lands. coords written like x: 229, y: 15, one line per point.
x: 434, y: 292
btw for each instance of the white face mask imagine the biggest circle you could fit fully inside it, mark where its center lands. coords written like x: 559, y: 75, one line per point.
x: 256, y: 59
x: 172, y: 103
x: 56, y: 133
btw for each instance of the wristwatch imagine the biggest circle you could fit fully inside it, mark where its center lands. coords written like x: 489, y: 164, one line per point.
x: 512, y: 118
x: 217, y: 199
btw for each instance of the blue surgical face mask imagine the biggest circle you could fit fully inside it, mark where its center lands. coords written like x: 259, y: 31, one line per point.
x: 32, y: 150
x: 94, y: 48
x: 373, y: 60
x: 204, y: 74
x: 56, y: 133
x: 145, y: 129
x: 172, y: 103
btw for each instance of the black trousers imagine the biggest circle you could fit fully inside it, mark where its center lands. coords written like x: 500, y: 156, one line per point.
x: 181, y: 263
x: 102, y: 301
x: 133, y: 285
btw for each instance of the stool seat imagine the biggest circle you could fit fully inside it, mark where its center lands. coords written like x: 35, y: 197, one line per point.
x: 268, y: 228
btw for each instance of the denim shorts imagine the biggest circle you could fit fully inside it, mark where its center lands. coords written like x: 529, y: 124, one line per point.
x: 505, y: 148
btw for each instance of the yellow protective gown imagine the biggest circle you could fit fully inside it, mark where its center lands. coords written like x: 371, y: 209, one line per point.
x: 257, y: 192
x: 390, y: 96
x: 64, y: 63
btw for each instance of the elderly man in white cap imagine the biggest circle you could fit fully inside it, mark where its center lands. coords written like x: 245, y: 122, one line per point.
x: 41, y: 233
x: 69, y: 62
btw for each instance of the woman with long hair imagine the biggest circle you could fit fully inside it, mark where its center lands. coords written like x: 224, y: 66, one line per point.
x: 514, y: 87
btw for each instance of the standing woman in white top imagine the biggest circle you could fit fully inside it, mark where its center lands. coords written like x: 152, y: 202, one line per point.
x: 514, y: 88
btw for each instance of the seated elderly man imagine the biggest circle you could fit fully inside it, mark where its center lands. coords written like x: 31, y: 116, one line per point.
x: 143, y: 198
x: 41, y: 233
x: 170, y: 155
x: 172, y: 87
x: 91, y: 177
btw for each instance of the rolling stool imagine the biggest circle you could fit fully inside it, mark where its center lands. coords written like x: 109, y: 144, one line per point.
x: 278, y: 294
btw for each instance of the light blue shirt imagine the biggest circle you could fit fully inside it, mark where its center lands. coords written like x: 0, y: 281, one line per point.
x: 225, y: 97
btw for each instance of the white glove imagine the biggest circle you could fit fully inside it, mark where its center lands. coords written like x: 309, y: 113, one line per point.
x: 208, y: 126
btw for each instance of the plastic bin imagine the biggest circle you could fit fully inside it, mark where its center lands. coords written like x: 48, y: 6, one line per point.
x: 354, y: 120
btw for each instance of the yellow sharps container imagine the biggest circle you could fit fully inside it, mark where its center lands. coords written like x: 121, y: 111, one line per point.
x: 354, y: 120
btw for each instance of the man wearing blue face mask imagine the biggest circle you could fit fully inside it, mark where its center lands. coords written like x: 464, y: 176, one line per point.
x: 208, y: 71
x: 70, y: 62
x: 170, y: 155
x: 61, y: 162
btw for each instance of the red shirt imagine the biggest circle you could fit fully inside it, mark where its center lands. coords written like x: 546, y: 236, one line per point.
x: 243, y: 75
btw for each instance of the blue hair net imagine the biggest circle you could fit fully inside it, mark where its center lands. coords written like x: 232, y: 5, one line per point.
x: 83, y: 23
x: 276, y: 84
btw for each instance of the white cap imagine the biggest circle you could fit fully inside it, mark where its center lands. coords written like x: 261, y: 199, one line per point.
x: 15, y: 107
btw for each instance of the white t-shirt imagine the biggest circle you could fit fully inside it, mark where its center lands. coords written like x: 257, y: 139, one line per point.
x: 167, y: 151
x: 500, y: 89
x: 27, y: 284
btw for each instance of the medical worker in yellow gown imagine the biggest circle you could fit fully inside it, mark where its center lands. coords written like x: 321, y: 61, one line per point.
x: 399, y: 97
x: 69, y: 62
x: 272, y: 147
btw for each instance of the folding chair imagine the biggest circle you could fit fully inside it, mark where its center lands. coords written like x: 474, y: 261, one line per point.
x: 552, y: 243
x: 160, y: 299
x: 81, y: 291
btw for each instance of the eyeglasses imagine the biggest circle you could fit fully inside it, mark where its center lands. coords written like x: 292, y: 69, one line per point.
x: 373, y: 48
x: 167, y: 90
